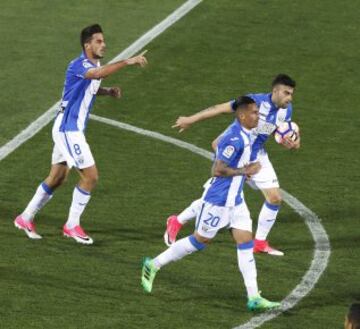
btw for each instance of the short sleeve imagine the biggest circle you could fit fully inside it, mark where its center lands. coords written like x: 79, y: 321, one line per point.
x: 229, y: 148
x: 233, y: 105
x: 81, y: 67
x: 257, y: 98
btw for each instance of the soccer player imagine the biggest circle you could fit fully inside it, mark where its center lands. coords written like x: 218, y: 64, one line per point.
x: 352, y: 319
x: 224, y: 206
x: 82, y: 84
x: 274, y: 108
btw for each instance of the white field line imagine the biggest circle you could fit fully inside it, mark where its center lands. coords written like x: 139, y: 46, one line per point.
x: 321, y: 239
x: 45, y: 118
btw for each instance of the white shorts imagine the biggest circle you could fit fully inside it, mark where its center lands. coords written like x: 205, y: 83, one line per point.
x: 266, y: 177
x: 70, y: 147
x: 213, y: 218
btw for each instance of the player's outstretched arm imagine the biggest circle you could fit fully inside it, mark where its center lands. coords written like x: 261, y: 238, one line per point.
x: 109, y: 91
x: 221, y: 169
x: 185, y: 122
x: 108, y: 69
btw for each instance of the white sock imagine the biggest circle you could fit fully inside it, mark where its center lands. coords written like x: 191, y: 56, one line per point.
x: 42, y: 195
x: 266, y: 220
x: 247, y: 266
x: 190, y: 212
x: 78, y: 205
x: 178, y: 250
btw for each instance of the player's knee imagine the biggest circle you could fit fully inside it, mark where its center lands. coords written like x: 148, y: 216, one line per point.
x: 201, y: 239
x: 54, y: 181
x: 274, y: 199
x: 90, y: 179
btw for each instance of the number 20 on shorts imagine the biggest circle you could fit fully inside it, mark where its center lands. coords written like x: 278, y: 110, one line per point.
x: 212, y: 221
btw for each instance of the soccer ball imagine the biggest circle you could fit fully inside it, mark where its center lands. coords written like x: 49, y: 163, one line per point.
x: 286, y: 129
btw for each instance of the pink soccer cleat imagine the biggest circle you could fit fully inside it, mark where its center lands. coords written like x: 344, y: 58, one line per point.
x: 78, y: 234
x: 173, y: 226
x: 27, y: 226
x: 263, y: 246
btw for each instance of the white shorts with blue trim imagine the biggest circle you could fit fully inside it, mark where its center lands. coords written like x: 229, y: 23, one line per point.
x: 212, y: 218
x: 70, y: 147
x: 266, y: 177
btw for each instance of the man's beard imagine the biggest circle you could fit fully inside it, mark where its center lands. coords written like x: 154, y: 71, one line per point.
x: 97, y: 56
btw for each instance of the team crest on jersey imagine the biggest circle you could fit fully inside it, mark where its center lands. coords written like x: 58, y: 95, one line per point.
x: 86, y: 64
x: 229, y: 151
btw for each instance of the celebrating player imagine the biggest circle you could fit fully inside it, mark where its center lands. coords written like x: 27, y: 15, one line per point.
x: 274, y: 108
x: 224, y: 206
x: 82, y: 84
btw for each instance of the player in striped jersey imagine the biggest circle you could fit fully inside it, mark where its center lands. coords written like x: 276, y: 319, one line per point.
x: 274, y: 108
x: 82, y: 83
x: 223, y: 206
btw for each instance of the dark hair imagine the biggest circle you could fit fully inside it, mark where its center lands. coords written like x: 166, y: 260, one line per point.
x: 283, y: 79
x: 87, y: 33
x: 242, y: 102
x: 354, y: 315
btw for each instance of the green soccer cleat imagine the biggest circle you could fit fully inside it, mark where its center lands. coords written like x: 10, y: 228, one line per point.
x: 259, y: 303
x: 148, y: 274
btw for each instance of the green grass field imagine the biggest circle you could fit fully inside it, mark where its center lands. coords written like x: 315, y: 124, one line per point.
x: 220, y: 50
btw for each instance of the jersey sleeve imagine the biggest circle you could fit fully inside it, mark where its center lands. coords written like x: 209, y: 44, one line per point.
x: 289, y: 113
x: 81, y: 67
x: 233, y: 105
x: 228, y: 148
x: 257, y: 98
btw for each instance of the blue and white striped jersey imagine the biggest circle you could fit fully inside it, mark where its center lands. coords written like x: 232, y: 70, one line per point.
x: 234, y: 148
x: 78, y: 94
x: 270, y: 117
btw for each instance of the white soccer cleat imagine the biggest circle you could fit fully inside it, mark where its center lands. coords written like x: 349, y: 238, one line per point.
x: 28, y: 227
x: 78, y: 234
x: 263, y: 246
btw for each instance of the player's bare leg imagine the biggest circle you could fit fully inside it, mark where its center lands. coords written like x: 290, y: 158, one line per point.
x: 267, y: 218
x: 81, y: 197
x: 25, y: 221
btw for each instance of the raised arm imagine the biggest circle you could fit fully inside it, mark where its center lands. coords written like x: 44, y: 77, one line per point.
x: 185, y: 122
x: 108, y: 69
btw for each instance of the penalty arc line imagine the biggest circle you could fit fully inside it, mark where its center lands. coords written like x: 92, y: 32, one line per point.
x: 135, y: 47
x: 322, y: 249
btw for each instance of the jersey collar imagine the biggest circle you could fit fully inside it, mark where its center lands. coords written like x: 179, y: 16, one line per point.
x: 243, y: 129
x: 273, y: 106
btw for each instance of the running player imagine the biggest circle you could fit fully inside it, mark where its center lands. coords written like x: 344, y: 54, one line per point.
x: 82, y: 84
x: 274, y: 107
x: 224, y: 206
